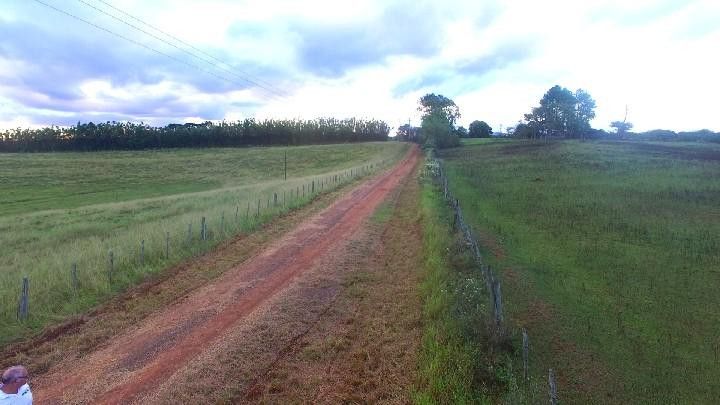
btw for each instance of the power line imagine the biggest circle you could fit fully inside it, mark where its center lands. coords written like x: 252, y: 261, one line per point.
x: 244, y: 78
x: 186, y: 44
x: 192, y: 65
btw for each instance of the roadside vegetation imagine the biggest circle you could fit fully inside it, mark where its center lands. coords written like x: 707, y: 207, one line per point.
x: 61, y: 210
x: 609, y: 253
x: 463, y: 358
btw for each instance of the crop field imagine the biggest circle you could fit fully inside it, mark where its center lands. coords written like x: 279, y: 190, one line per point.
x: 609, y: 255
x: 117, y: 217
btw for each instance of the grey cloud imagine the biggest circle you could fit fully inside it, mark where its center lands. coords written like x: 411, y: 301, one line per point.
x: 56, y: 62
x: 403, y: 29
x: 59, y: 62
x: 470, y: 71
x: 497, y: 59
x: 429, y: 79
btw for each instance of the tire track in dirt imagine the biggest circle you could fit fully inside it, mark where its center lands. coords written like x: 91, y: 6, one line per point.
x: 133, y: 363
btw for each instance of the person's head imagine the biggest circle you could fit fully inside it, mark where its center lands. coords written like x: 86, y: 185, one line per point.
x: 13, y: 378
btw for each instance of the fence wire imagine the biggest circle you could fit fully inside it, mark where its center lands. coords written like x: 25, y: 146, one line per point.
x: 434, y: 168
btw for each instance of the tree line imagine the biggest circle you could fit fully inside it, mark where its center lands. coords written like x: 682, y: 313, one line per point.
x: 249, y: 132
x: 562, y: 113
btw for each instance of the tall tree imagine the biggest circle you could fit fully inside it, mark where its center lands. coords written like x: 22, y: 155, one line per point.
x: 480, y: 129
x: 584, y: 110
x: 432, y: 103
x: 436, y: 131
x: 438, y: 121
x: 562, y: 113
x: 621, y: 127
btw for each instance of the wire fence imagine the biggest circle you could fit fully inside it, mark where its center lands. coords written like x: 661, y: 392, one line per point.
x: 434, y: 168
x: 122, y: 262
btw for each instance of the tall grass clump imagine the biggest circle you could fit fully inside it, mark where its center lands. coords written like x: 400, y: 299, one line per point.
x: 45, y: 245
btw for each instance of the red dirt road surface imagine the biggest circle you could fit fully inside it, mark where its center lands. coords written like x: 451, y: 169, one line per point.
x: 137, y: 364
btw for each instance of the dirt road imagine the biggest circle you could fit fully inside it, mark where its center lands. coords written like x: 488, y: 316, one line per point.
x: 243, y: 322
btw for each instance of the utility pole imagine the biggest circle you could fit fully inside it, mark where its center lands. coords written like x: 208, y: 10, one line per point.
x: 626, y: 110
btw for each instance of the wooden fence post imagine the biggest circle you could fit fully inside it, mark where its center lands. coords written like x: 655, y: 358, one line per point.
x: 189, y: 239
x: 22, y: 313
x: 74, y: 278
x: 142, y: 252
x: 222, y: 222
x: 202, y: 228
x: 111, y: 266
x: 497, y: 301
x: 167, y: 245
x: 274, y: 199
x: 552, y: 387
x: 525, y: 354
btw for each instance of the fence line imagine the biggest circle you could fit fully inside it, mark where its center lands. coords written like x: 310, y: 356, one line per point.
x: 113, y: 258
x: 435, y: 168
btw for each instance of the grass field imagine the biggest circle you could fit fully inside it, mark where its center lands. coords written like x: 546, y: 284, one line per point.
x: 609, y: 254
x: 65, y: 208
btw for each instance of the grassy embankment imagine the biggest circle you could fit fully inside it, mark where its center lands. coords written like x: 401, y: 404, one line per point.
x: 463, y: 359
x: 610, y: 256
x: 65, y: 208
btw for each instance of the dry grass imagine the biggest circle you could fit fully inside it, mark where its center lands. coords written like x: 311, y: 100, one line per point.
x: 84, y: 333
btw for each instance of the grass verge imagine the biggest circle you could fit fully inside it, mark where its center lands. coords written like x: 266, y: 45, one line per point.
x: 460, y: 359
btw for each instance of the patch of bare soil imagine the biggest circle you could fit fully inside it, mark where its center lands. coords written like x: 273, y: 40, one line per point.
x: 363, y: 349
x: 169, y: 354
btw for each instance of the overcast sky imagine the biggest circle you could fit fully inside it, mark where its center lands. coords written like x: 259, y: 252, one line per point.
x: 366, y: 59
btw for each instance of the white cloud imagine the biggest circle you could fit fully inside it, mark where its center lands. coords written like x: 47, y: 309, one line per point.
x: 495, y: 60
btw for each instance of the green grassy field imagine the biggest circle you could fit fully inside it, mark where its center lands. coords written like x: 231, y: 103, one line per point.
x: 65, y: 208
x: 609, y: 254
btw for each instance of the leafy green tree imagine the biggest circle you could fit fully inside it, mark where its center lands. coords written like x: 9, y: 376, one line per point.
x: 408, y: 133
x: 621, y: 127
x: 562, y: 113
x: 436, y: 131
x: 431, y: 103
x: 462, y: 132
x: 438, y: 121
x: 584, y: 112
x: 480, y: 129
x: 522, y: 130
